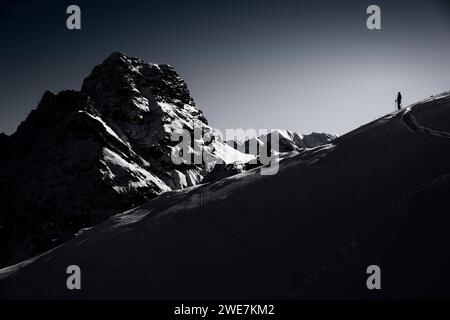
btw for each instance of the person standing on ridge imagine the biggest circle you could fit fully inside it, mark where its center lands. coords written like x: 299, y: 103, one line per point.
x: 399, y: 100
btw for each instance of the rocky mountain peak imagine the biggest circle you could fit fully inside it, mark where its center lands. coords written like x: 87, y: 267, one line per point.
x: 121, y: 79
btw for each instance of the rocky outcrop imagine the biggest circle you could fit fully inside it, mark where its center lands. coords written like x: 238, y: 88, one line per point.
x: 81, y: 156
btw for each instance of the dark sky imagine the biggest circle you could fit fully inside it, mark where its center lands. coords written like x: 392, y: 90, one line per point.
x: 304, y: 66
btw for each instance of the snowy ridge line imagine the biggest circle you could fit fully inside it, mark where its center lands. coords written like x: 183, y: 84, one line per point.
x: 440, y: 96
x: 414, y: 125
x: 308, y: 156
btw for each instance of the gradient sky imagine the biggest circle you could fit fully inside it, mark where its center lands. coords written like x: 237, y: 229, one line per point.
x: 304, y: 66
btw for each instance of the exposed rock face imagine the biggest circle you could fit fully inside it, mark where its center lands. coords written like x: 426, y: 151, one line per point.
x: 81, y: 156
x: 143, y: 103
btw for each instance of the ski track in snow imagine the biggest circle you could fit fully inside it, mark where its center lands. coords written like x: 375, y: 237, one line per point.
x: 414, y: 125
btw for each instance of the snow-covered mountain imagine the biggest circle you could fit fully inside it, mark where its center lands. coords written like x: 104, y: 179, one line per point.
x: 81, y: 156
x: 375, y: 196
x: 288, y: 141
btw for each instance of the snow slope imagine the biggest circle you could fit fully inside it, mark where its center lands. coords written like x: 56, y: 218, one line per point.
x: 377, y: 195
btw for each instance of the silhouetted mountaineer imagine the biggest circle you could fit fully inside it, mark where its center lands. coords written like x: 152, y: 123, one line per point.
x: 399, y: 100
